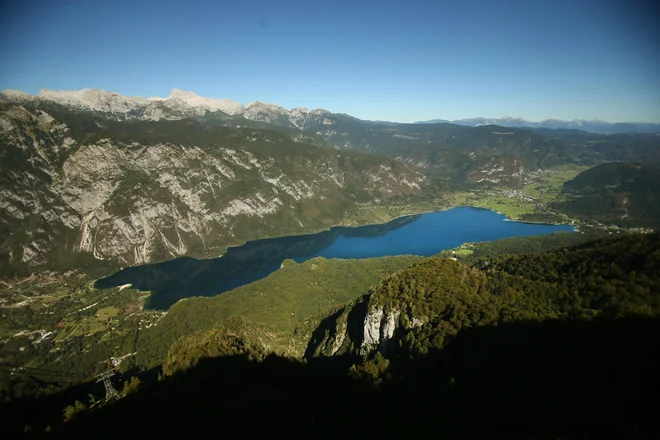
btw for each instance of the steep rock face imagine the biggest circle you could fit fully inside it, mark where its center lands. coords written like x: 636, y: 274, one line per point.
x: 178, y: 105
x: 365, y: 326
x: 372, y: 326
x: 506, y: 171
x: 388, y: 328
x: 380, y: 324
x: 64, y: 191
x: 193, y: 100
x: 170, y: 109
x: 269, y: 113
x: 404, y: 308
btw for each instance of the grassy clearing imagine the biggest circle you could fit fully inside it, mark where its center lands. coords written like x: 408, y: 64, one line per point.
x: 547, y: 187
x: 6, y: 332
x: 106, y: 313
x: 533, y: 202
x: 510, y: 207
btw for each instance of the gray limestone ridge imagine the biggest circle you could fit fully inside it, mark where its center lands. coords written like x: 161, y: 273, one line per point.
x: 363, y: 326
x: 178, y: 105
x: 79, y: 187
x: 479, y: 155
x: 184, y: 104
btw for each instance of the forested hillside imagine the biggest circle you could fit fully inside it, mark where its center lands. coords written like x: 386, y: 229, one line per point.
x: 566, y: 340
x: 620, y: 193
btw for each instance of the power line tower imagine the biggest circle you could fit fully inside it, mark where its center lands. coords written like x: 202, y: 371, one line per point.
x: 109, y: 389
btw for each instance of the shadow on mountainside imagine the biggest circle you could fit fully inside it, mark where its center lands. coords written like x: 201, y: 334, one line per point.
x: 328, y: 327
x: 521, y: 380
x: 39, y: 412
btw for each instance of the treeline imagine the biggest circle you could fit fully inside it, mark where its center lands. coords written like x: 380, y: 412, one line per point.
x: 619, y: 193
x: 612, y: 278
x: 564, y: 344
x: 280, y: 309
x: 523, y: 245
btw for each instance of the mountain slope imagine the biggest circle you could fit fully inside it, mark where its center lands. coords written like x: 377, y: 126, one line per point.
x: 619, y: 193
x: 194, y: 100
x: 484, y: 156
x: 428, y: 304
x: 134, y: 192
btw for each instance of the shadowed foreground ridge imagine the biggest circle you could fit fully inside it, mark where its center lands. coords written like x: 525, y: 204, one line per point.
x: 524, y: 379
x: 561, y: 344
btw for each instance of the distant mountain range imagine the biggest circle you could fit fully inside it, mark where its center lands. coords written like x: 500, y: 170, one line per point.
x: 595, y: 126
x: 471, y: 150
x: 181, y: 104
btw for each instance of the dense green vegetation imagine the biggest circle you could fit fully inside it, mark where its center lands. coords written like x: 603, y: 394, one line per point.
x: 63, y: 331
x: 281, y: 309
x: 434, y: 300
x: 462, y: 155
x: 470, y: 253
x: 441, y: 144
x: 566, y: 340
x: 613, y: 194
x: 58, y: 330
x: 80, y: 342
x: 619, y: 193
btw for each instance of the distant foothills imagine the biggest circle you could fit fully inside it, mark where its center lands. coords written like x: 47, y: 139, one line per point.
x: 593, y: 126
x: 101, y: 100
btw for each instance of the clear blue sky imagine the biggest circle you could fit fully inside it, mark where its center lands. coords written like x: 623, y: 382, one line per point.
x: 401, y: 61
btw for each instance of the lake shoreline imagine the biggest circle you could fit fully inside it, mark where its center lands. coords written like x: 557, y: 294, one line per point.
x: 421, y: 212
x: 423, y: 235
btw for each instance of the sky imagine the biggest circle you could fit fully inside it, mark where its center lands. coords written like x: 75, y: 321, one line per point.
x: 400, y: 61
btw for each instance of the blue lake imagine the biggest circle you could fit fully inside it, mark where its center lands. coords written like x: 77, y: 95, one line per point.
x: 425, y: 234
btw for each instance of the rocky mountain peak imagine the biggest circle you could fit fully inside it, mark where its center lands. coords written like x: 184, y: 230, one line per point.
x: 176, y: 92
x: 182, y: 104
x: 194, y: 100
x: 93, y: 99
x: 14, y: 95
x: 269, y: 106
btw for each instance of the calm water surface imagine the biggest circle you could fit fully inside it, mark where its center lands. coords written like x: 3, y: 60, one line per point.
x: 425, y: 235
